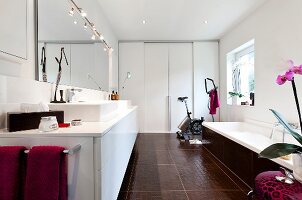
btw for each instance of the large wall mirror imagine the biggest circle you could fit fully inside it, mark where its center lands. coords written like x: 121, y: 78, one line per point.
x: 85, y: 61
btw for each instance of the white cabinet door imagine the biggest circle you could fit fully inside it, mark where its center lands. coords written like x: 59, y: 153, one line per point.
x: 156, y: 87
x: 13, y: 29
x: 180, y: 80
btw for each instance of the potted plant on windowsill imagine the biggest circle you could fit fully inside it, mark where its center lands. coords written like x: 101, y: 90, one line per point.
x: 235, y: 96
x: 283, y: 149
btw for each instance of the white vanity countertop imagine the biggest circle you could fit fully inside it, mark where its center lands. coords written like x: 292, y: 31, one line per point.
x: 87, y: 129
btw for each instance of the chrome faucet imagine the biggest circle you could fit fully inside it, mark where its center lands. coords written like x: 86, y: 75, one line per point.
x: 294, y: 125
x: 71, y: 94
x: 277, y: 124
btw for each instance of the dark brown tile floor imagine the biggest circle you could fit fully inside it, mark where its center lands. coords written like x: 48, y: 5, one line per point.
x: 162, y: 168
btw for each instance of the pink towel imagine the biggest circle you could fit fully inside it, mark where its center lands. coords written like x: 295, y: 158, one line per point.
x: 11, y: 168
x: 214, y: 101
x: 46, y: 176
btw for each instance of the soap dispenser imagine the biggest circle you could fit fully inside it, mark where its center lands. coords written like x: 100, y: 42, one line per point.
x: 117, y: 96
x: 113, y: 97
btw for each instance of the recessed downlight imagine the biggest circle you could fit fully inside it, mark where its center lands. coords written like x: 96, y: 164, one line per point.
x: 144, y: 22
x: 205, y: 22
x: 71, y: 12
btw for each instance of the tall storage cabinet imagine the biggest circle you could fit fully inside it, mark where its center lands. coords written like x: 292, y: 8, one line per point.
x: 168, y: 75
x: 161, y: 72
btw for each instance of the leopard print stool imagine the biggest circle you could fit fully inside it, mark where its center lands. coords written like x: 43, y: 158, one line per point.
x: 268, y: 188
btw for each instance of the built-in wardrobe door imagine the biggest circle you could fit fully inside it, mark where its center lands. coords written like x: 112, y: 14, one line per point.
x: 156, y: 88
x: 180, y: 81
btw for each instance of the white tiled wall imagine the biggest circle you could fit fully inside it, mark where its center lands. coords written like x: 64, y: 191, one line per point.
x: 14, y: 91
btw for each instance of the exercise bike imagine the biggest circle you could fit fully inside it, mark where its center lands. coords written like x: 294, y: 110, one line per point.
x: 189, y: 127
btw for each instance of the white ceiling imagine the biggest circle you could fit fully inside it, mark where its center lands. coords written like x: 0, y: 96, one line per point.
x: 175, y: 19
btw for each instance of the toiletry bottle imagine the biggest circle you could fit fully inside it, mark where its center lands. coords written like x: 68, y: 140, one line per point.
x: 113, y: 95
x: 117, y: 96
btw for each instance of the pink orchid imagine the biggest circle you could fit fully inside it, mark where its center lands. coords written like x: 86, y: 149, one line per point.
x: 288, y: 76
x: 296, y: 69
x: 293, y: 68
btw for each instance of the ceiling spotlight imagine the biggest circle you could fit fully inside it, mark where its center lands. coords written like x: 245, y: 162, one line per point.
x: 102, y: 37
x: 75, y: 22
x: 71, y: 12
x: 105, y: 49
x: 144, y: 22
x: 85, y: 25
x: 82, y: 12
x: 205, y: 22
x: 93, y: 26
x: 93, y: 37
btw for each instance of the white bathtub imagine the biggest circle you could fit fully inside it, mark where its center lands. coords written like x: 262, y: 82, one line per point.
x: 253, y: 136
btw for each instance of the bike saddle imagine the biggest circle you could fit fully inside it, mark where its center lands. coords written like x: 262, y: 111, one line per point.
x: 182, y: 98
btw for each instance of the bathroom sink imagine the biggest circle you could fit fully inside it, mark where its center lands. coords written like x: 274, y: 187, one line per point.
x: 88, y: 111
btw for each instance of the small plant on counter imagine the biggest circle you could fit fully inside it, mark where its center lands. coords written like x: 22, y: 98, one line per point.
x: 236, y: 94
x: 283, y: 149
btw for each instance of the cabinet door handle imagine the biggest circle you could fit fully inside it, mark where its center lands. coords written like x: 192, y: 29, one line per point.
x: 169, y: 113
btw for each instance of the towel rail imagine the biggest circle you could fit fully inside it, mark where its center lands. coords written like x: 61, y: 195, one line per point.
x: 67, y: 151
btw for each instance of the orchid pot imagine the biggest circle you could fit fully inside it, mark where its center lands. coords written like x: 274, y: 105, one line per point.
x: 234, y: 100
x: 297, y: 166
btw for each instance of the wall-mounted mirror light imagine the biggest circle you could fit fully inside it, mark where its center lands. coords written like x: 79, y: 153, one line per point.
x: 128, y: 76
x: 94, y: 81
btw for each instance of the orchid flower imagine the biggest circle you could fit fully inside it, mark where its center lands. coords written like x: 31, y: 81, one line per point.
x: 293, y: 68
x: 296, y: 69
x: 289, y: 75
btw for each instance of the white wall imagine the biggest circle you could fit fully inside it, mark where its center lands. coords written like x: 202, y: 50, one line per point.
x: 205, y: 66
x: 277, y: 30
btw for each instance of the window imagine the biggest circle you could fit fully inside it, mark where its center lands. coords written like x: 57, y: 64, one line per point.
x: 241, y: 78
